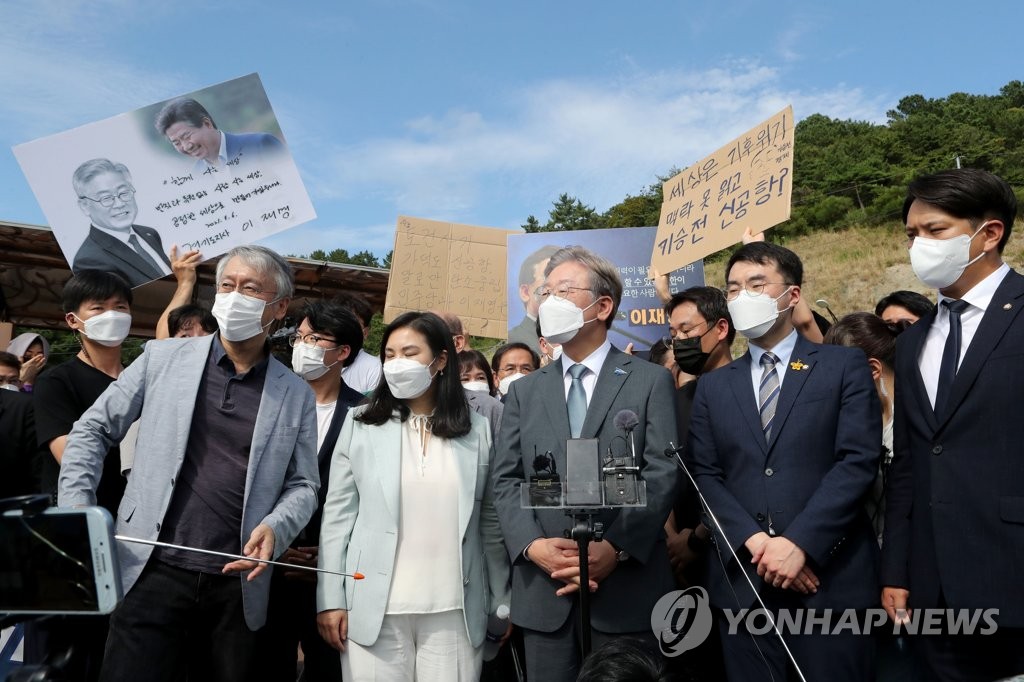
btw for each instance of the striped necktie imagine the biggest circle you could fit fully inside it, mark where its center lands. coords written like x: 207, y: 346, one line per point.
x: 768, y: 393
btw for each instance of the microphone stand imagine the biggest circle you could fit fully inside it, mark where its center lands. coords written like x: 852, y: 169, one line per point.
x: 584, y: 530
x: 673, y: 451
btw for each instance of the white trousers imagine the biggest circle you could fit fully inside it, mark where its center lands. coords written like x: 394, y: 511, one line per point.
x: 429, y: 647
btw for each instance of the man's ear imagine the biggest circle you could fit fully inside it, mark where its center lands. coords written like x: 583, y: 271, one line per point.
x: 282, y: 308
x: 525, y: 293
x: 993, y: 234
x: 83, y: 205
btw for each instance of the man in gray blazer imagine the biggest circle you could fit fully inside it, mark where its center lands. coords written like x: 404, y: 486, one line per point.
x: 225, y: 461
x: 580, y: 397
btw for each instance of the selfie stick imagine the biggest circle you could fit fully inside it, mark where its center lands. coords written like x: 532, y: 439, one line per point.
x: 155, y: 543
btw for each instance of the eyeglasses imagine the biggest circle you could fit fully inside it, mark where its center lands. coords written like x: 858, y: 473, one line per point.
x: 682, y: 334
x: 246, y: 289
x: 177, y: 142
x: 310, y: 339
x: 107, y: 200
x: 512, y: 369
x: 560, y: 291
x: 733, y: 291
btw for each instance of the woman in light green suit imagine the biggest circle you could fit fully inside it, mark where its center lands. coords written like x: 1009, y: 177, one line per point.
x: 409, y: 507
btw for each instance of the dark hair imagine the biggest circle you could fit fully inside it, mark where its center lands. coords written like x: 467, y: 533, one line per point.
x: 515, y: 345
x: 453, y: 322
x: 330, y: 317
x: 476, y: 359
x: 870, y: 333
x: 968, y: 193
x: 911, y: 300
x: 623, y: 660
x: 765, y: 253
x: 177, y: 318
x: 540, y: 255
x: 451, y: 411
x: 658, y: 353
x: 710, y: 304
x: 93, y: 285
x: 357, y: 304
x: 183, y: 109
x: 10, y: 360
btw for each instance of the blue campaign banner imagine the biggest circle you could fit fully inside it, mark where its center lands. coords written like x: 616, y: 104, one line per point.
x: 641, y: 317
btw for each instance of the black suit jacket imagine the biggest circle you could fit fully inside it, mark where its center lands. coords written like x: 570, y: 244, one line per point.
x: 525, y: 332
x: 954, y: 521
x: 100, y: 251
x: 347, y: 399
x: 536, y: 415
x: 809, y: 479
x: 17, y: 444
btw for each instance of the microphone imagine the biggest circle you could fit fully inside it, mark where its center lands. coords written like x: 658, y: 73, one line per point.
x: 627, y: 420
x: 822, y: 303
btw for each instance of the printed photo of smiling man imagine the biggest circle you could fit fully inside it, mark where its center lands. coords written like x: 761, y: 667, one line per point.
x: 115, y: 243
x: 191, y: 130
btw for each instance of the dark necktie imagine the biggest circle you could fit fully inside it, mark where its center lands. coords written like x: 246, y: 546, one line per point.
x: 577, y: 400
x: 951, y: 352
x: 768, y: 393
x: 144, y: 255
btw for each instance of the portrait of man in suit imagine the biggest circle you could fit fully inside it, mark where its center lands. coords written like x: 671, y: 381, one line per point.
x: 954, y: 523
x: 191, y: 130
x: 115, y: 243
x: 531, y: 277
x: 784, y: 442
x: 580, y: 396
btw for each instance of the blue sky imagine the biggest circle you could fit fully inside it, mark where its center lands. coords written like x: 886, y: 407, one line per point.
x: 484, y: 112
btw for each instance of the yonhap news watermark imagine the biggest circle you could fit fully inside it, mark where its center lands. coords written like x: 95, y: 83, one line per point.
x: 682, y: 620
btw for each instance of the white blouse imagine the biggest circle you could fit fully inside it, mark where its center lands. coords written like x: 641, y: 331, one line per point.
x: 427, y: 577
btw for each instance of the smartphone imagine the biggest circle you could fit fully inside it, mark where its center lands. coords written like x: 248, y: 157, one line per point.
x: 58, y: 560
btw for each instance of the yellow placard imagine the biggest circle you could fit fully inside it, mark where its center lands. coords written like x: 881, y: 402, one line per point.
x: 745, y: 184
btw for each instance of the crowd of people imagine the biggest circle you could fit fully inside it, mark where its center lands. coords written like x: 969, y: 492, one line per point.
x: 391, y: 485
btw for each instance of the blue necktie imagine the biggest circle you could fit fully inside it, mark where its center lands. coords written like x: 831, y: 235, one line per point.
x: 577, y: 400
x: 951, y: 352
x: 768, y: 393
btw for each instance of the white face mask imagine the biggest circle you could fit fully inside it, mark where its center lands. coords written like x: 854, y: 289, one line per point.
x: 556, y: 353
x: 239, y: 317
x: 407, y: 378
x: 561, y: 319
x: 107, y: 329
x: 308, y: 361
x: 9, y: 387
x: 480, y: 386
x: 504, y: 384
x: 754, y: 315
x: 940, y: 262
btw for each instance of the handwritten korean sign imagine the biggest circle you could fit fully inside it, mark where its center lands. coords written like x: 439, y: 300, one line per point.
x: 447, y: 266
x: 745, y: 184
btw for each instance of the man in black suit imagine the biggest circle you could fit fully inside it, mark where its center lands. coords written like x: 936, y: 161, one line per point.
x: 954, y: 524
x: 783, y: 445
x: 580, y: 397
x: 115, y: 243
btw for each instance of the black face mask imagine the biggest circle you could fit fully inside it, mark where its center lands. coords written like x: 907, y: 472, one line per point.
x: 688, y: 354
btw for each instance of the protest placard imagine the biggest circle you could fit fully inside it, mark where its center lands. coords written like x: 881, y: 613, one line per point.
x: 452, y: 267
x: 641, y: 318
x: 209, y: 170
x: 746, y: 184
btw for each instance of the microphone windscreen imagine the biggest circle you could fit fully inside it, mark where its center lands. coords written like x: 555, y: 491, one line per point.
x: 626, y: 420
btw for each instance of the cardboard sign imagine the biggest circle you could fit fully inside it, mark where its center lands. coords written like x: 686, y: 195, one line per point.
x: 641, y: 318
x: 118, y: 193
x: 746, y: 184
x: 452, y: 267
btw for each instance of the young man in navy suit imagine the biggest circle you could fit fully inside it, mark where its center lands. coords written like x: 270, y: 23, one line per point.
x: 954, y: 524
x: 784, y: 442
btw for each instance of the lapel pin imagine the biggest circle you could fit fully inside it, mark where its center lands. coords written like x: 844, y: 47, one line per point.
x: 798, y: 365
x: 619, y: 370
x: 1008, y: 306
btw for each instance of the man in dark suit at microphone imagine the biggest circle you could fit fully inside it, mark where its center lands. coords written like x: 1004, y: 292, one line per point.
x: 580, y: 397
